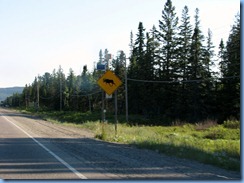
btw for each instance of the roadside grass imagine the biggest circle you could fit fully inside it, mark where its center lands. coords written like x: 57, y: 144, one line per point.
x: 206, y: 142
x: 215, y: 145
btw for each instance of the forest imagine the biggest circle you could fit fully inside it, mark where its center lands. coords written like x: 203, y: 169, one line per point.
x: 171, y: 76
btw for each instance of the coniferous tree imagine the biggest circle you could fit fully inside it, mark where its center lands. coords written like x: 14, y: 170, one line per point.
x: 34, y: 93
x: 152, y: 51
x: 196, y: 59
x: 222, y: 58
x: 26, y: 95
x: 176, y: 56
x: 209, y: 55
x: 70, y: 91
x: 184, y: 54
x: 136, y: 71
x: 139, y: 53
x: 219, y: 84
x: 85, y: 89
x: 167, y: 35
x: 118, y: 65
x: 149, y: 99
x: 196, y: 72
x: 209, y: 96
x: 185, y: 33
x: 106, y: 59
x: 131, y: 45
x: 231, y: 74
x: 100, y: 57
x: 62, y: 86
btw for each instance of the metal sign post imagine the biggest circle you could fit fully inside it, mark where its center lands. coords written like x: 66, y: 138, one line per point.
x: 109, y: 82
x: 116, y: 112
x: 103, y: 110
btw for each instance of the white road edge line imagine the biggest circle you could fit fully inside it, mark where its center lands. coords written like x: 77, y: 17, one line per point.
x: 221, y: 176
x: 81, y: 176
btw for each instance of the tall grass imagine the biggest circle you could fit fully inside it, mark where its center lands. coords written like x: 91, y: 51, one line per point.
x: 215, y: 145
x: 206, y: 142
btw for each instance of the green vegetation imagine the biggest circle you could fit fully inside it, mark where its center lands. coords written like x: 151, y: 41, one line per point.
x: 217, y: 145
x: 206, y: 142
x: 7, y: 92
x: 171, y: 75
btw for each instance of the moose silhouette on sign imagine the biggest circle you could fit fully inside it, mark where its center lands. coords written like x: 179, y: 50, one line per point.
x: 110, y: 82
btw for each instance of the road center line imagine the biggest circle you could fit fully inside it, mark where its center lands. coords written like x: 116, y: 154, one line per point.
x: 81, y: 176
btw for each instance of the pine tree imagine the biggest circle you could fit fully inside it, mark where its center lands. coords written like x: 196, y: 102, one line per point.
x: 131, y: 45
x: 167, y: 36
x: 100, y: 57
x: 184, y: 53
x: 209, y: 55
x: 136, y: 70
x: 71, y: 90
x: 185, y: 34
x: 139, y: 47
x: 196, y: 72
x: 209, y: 96
x: 118, y: 65
x: 106, y: 59
x: 231, y: 74
x: 222, y: 58
x: 150, y: 97
x: 154, y: 46
x: 196, y: 59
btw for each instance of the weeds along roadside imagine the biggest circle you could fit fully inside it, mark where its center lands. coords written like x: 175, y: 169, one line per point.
x: 205, y: 142
x: 216, y: 145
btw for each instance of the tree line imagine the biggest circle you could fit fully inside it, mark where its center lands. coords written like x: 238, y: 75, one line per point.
x: 171, y: 75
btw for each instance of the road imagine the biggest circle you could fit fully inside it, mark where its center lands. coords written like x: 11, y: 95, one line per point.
x: 31, y: 148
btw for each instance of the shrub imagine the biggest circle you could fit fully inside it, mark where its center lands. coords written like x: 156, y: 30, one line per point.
x: 205, y: 124
x: 216, y: 133
x: 234, y: 124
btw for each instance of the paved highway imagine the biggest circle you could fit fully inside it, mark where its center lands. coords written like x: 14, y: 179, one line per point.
x: 25, y: 157
x: 31, y: 148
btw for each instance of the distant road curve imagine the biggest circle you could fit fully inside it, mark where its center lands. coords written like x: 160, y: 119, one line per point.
x: 31, y: 148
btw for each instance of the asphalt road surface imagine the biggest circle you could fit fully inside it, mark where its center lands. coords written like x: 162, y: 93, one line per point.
x: 31, y: 148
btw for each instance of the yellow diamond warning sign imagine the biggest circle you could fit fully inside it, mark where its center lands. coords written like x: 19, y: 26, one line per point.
x: 109, y: 82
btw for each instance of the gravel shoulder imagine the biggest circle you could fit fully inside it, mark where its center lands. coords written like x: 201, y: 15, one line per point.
x: 104, y: 160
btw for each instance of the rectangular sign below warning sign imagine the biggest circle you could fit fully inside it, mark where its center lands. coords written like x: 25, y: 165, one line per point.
x: 108, y: 96
x: 109, y: 82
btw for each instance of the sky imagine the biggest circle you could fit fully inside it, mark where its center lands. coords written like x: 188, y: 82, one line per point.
x: 38, y: 36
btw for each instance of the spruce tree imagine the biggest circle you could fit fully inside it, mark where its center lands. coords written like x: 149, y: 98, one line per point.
x: 139, y: 53
x: 118, y: 65
x: 136, y: 70
x: 184, y: 41
x: 70, y: 94
x: 209, y: 96
x: 196, y: 71
x: 209, y: 55
x: 222, y: 58
x: 184, y: 53
x: 167, y: 36
x: 131, y: 45
x: 231, y: 74
x: 100, y: 57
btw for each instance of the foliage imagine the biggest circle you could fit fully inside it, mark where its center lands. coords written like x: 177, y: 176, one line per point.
x: 216, y: 145
x: 171, y: 76
x: 7, y: 92
x: 234, y: 124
